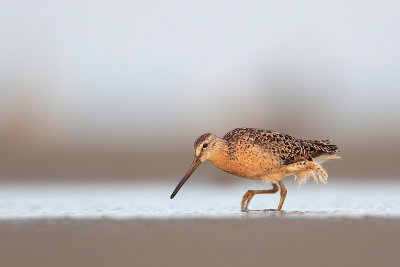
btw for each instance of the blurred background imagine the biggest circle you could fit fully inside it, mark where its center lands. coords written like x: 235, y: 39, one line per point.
x: 119, y: 90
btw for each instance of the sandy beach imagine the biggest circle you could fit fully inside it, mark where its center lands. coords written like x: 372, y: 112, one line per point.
x: 269, y: 241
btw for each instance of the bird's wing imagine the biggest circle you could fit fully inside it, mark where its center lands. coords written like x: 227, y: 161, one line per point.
x: 285, y: 148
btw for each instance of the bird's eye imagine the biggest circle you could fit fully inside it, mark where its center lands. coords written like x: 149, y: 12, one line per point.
x: 205, y: 145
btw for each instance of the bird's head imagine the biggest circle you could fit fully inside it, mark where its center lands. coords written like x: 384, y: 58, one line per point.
x: 204, y: 146
x: 203, y: 149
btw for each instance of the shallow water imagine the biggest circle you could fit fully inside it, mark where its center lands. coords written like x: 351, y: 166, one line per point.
x: 195, y: 200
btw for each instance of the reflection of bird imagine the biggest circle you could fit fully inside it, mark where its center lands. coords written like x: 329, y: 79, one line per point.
x: 263, y: 155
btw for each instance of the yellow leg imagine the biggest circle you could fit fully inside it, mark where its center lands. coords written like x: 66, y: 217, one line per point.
x: 249, y: 195
x: 283, y: 194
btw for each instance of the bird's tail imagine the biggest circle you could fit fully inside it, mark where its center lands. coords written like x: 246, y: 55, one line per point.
x: 320, y: 151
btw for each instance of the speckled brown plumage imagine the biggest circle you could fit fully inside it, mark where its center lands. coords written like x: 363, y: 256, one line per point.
x: 263, y: 155
x: 287, y: 148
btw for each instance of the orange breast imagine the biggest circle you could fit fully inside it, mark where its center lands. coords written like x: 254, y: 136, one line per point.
x: 249, y: 163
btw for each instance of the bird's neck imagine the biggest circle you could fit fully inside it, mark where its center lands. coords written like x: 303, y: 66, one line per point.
x: 220, y: 156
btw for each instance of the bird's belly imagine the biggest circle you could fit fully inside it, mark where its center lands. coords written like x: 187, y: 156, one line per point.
x: 251, y: 167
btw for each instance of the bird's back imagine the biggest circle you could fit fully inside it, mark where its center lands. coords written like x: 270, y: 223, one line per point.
x: 288, y: 148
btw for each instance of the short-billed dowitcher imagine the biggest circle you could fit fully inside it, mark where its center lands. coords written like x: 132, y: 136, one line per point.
x: 263, y: 155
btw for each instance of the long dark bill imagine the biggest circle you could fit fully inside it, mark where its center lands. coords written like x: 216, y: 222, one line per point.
x: 193, y: 167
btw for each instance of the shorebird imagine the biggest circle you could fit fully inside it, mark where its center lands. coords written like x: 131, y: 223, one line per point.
x: 263, y: 155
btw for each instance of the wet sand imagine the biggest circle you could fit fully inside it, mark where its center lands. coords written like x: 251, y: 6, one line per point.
x: 267, y: 241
